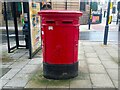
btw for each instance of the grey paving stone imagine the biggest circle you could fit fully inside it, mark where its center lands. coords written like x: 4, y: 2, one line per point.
x: 30, y: 69
x: 87, y: 43
x: 81, y: 56
x: 81, y: 76
x: 116, y: 83
x: 58, y: 84
x: 96, y: 69
x: 5, y: 66
x: 19, y: 64
x: 8, y: 63
x: 34, y: 84
x: 80, y: 84
x: 81, y: 52
x: 9, y: 75
x: 93, y: 61
x: 3, y: 71
x: 18, y: 55
x: 101, y: 81
x: 89, y: 50
x: 25, y: 56
x: 3, y: 82
x: 104, y: 57
x: 19, y: 81
x: 37, y: 81
x: 83, y: 67
x: 91, y: 55
x: 97, y: 48
x: 36, y: 61
x: 113, y: 73
x: 102, y: 52
x: 110, y: 64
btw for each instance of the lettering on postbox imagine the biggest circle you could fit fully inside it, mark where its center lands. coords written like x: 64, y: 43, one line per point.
x: 50, y: 27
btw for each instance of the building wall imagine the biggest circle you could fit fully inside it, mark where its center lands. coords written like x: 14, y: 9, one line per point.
x: 1, y: 16
x: 61, y: 5
x: 71, y: 5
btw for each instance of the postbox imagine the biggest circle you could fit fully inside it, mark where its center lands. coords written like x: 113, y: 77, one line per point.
x: 60, y: 34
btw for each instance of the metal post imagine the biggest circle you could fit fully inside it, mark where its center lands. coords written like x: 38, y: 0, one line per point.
x: 15, y: 24
x: 66, y: 5
x: 8, y: 41
x: 107, y: 26
x: 30, y: 46
x: 89, y: 22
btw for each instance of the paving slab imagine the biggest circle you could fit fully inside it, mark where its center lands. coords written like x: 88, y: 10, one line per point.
x: 36, y: 61
x: 89, y: 50
x: 101, y: 81
x: 37, y: 81
x: 8, y: 63
x: 18, y: 55
x: 81, y: 51
x: 19, y: 81
x: 102, y: 52
x: 3, y: 82
x: 29, y: 69
x: 96, y: 69
x: 81, y: 56
x: 5, y: 66
x: 116, y: 83
x: 93, y: 60
x: 58, y: 84
x: 3, y: 71
x: 91, y: 55
x: 80, y: 84
x: 9, y: 75
x: 81, y: 76
x: 25, y: 56
x: 104, y: 57
x: 19, y: 64
x: 86, y: 43
x: 113, y: 73
x: 110, y: 64
x: 83, y: 67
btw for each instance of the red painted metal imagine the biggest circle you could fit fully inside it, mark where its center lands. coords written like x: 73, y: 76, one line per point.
x: 60, y: 34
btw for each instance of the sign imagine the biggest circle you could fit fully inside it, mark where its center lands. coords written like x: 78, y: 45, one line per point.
x: 35, y: 30
x: 95, y: 19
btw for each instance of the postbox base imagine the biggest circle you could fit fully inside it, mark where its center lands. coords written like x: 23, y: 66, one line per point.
x: 60, y: 71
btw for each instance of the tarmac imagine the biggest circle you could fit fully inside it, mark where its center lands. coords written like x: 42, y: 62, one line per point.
x: 98, y: 68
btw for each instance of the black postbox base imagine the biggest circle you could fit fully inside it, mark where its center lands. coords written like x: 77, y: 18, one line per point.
x: 60, y: 71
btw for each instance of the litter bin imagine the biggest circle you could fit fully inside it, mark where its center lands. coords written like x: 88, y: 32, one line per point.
x: 60, y: 43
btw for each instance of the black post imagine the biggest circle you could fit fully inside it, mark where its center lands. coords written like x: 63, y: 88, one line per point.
x: 5, y: 15
x: 66, y: 5
x: 89, y: 21
x: 30, y: 46
x: 107, y: 26
x: 15, y: 24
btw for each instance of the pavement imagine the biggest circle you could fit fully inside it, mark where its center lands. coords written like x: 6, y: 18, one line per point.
x: 100, y: 27
x: 98, y: 68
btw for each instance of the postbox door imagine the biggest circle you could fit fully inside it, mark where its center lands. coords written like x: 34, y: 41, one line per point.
x: 59, y: 44
x: 76, y: 38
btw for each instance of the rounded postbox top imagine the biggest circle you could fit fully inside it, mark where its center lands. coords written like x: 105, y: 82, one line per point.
x: 60, y: 13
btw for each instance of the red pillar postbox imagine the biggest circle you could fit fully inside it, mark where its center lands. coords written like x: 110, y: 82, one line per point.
x: 60, y: 34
